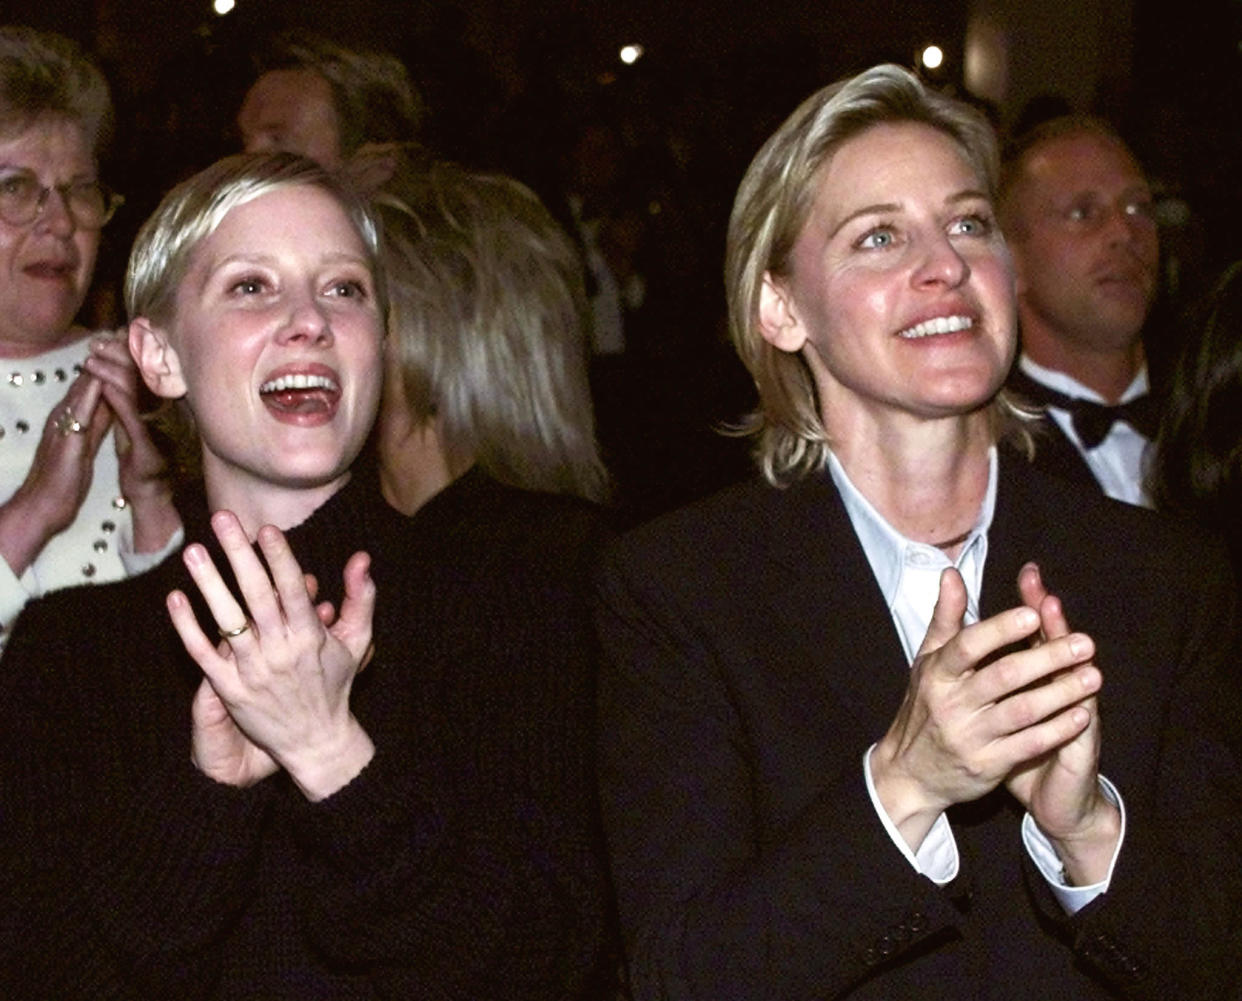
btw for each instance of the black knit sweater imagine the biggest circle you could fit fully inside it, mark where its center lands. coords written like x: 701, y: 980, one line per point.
x: 461, y: 863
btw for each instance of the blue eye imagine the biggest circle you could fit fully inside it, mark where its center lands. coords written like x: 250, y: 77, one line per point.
x: 876, y: 239
x: 972, y: 225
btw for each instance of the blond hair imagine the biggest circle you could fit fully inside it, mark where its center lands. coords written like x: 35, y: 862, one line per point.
x: 769, y: 212
x: 488, y: 323
x: 43, y: 74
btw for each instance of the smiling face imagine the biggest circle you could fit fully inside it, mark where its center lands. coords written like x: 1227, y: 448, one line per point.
x: 1079, y: 220
x: 275, y: 344
x: 46, y: 264
x: 900, y: 293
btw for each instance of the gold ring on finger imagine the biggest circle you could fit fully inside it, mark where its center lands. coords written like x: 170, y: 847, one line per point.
x: 232, y: 634
x: 67, y: 424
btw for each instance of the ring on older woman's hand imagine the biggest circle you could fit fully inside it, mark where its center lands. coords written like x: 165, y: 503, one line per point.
x: 232, y: 634
x: 67, y: 424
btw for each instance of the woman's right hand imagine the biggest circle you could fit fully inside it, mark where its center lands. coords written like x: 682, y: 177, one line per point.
x: 60, y: 476
x: 285, y: 672
x: 967, y: 721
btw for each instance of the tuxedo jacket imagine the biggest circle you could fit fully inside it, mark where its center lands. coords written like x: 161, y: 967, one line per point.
x: 751, y: 661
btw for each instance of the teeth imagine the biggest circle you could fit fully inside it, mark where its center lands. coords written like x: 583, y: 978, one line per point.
x: 940, y: 325
x: 300, y: 381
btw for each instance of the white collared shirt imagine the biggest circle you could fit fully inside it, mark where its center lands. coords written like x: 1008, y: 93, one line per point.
x: 1118, y: 462
x: 909, y: 577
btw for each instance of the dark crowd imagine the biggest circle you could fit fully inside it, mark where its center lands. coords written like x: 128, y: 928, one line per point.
x: 548, y: 529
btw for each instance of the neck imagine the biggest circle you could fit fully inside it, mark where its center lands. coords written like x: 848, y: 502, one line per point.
x: 928, y: 483
x: 28, y: 347
x: 1108, y: 372
x: 414, y: 467
x: 260, y: 503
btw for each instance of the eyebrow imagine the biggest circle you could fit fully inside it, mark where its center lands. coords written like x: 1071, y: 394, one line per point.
x: 245, y: 259
x: 880, y: 208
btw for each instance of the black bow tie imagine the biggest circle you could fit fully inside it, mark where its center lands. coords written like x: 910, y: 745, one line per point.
x: 1092, y: 421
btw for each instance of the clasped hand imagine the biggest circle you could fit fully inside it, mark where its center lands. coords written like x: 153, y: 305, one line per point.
x: 1028, y: 719
x: 276, y: 694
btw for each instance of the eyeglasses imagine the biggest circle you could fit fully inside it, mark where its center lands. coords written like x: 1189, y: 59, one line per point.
x: 22, y: 199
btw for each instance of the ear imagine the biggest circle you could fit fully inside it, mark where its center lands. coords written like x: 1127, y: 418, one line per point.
x: 777, y: 322
x: 156, y: 359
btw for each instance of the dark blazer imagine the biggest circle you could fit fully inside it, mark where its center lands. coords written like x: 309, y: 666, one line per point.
x: 751, y: 661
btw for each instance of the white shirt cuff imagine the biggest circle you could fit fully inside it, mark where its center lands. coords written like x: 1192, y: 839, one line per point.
x: 937, y: 856
x: 136, y: 563
x: 1039, y: 848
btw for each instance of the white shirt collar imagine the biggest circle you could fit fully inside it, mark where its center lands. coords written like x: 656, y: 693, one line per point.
x: 1067, y: 384
x: 908, y: 572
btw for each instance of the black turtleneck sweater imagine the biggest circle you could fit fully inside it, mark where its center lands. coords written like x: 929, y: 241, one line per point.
x: 461, y: 863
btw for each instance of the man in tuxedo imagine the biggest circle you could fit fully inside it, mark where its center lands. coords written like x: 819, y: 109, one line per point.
x: 1077, y: 212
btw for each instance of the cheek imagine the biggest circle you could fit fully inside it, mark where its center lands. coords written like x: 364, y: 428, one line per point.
x: 88, y: 248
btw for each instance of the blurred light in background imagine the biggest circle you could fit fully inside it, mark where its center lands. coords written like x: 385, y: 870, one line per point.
x: 222, y: 7
x: 932, y: 57
x: 630, y: 54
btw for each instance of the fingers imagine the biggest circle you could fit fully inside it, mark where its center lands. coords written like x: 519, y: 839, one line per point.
x: 353, y: 627
x: 195, y: 641
x: 946, y: 621
x: 292, y: 597
x: 1026, y: 667
x: 110, y: 362
x: 1053, y: 623
x: 970, y: 646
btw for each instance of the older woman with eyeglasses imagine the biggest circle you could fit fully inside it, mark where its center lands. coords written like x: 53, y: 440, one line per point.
x: 83, y: 496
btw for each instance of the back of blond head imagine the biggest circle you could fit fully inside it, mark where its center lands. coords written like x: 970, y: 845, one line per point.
x: 773, y: 204
x: 488, y: 323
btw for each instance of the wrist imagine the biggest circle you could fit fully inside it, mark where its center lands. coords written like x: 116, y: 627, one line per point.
x: 909, y: 807
x: 24, y: 531
x: 154, y: 516
x: 1087, y: 852
x: 330, y: 765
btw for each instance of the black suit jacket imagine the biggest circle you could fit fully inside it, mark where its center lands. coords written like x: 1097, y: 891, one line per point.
x: 751, y: 661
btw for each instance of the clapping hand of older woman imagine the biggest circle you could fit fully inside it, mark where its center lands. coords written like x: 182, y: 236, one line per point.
x: 141, y: 466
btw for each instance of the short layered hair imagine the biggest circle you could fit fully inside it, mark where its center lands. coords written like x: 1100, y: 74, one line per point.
x: 45, y: 75
x: 192, y: 211
x: 770, y: 210
x: 489, y: 322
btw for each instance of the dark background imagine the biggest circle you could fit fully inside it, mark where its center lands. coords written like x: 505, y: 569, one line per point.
x: 510, y: 84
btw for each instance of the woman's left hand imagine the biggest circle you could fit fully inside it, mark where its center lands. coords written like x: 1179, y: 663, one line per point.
x: 1061, y: 790
x: 141, y: 466
x: 285, y: 672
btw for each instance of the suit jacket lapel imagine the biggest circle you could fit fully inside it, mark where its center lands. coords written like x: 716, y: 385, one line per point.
x: 835, y: 608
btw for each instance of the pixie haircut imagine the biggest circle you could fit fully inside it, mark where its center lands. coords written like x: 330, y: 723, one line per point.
x: 43, y: 74
x: 488, y: 323
x: 191, y: 212
x: 772, y: 206
x: 374, y: 98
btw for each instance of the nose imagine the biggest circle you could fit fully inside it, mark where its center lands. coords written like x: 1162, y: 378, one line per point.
x: 308, y: 324
x: 54, y: 215
x: 941, y: 264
